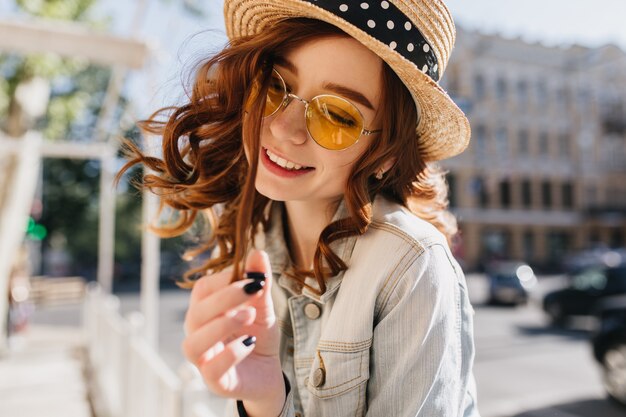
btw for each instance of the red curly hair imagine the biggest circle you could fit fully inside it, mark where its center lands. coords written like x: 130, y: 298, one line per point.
x: 204, y: 169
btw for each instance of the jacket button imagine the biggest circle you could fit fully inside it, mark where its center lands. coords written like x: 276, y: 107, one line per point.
x: 312, y: 311
x: 319, y: 377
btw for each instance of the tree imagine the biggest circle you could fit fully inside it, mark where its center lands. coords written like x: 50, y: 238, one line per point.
x: 76, y: 92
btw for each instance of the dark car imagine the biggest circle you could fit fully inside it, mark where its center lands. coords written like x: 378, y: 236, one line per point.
x: 609, y: 345
x: 509, y: 282
x: 587, y: 287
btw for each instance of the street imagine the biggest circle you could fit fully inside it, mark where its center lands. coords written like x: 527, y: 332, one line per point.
x: 523, y: 367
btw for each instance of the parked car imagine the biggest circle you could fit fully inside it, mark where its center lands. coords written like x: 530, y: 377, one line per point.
x: 592, y: 257
x: 587, y: 287
x: 609, y: 345
x: 509, y: 282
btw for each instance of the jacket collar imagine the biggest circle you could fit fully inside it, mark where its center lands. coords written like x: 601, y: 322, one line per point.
x: 280, y: 260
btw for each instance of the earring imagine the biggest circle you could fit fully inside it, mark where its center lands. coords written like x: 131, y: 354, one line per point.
x: 379, y: 174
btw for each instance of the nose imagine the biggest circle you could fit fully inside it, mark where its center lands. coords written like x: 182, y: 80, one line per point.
x: 288, y: 123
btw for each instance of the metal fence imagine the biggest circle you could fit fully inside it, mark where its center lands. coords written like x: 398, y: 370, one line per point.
x: 127, y: 376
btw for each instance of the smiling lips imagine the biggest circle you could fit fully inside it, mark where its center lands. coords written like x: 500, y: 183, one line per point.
x: 283, y: 167
x: 283, y: 163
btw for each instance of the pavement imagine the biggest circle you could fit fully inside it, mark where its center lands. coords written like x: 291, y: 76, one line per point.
x: 44, y: 374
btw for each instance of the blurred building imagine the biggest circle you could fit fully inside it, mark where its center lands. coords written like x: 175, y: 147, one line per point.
x: 545, y: 173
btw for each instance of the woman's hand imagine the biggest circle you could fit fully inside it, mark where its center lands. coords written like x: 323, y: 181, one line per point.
x: 221, y: 316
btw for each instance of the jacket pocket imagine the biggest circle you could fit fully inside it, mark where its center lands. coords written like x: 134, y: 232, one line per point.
x: 338, y: 376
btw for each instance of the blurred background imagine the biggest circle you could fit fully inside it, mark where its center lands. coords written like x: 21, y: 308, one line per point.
x: 88, y: 296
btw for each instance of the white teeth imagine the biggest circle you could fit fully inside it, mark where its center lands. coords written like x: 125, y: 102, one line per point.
x: 282, y: 162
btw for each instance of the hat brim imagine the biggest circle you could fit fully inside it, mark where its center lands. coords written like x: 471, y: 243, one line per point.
x: 443, y: 129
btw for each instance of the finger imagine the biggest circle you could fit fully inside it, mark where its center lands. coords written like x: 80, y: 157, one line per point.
x: 258, y: 261
x: 221, y: 301
x: 215, y: 370
x: 208, y: 284
x: 223, y: 329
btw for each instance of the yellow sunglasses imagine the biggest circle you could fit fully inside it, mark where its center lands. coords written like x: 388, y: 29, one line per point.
x: 332, y: 122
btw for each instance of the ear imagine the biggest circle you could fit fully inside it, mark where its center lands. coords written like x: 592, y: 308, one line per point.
x: 386, y: 166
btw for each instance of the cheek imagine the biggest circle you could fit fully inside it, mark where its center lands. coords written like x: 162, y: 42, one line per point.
x: 342, y: 162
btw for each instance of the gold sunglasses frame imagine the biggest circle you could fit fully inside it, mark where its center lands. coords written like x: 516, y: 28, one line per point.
x: 288, y: 97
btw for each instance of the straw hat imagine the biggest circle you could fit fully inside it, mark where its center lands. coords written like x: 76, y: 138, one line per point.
x: 415, y: 37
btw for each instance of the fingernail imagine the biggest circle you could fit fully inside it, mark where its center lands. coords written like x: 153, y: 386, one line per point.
x: 249, y: 341
x: 254, y: 287
x: 255, y: 275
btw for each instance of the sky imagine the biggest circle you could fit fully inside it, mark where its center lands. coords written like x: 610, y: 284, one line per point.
x: 553, y: 22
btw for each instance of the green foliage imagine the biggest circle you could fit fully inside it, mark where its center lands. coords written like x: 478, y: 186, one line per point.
x: 57, y: 9
x: 71, y: 187
x: 71, y: 207
x: 77, y: 86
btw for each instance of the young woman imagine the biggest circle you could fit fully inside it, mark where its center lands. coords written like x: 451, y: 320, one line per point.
x: 313, y: 136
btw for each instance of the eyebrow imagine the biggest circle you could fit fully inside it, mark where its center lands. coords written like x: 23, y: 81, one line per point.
x: 336, y: 88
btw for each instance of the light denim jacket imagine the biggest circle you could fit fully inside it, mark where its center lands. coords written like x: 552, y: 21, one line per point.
x: 393, y: 334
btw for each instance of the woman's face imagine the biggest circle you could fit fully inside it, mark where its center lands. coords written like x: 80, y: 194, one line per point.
x: 334, y: 66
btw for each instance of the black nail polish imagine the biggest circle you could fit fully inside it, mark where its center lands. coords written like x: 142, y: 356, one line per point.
x: 249, y: 341
x: 253, y: 287
x: 255, y: 275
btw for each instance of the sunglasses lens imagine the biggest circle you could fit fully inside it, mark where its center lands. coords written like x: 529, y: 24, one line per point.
x: 274, y: 98
x: 275, y: 94
x: 333, y: 122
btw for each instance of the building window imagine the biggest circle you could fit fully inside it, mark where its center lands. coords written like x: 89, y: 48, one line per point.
x: 502, y: 143
x: 501, y: 89
x: 567, y: 195
x: 612, y: 115
x: 452, y: 81
x: 546, y: 194
x: 617, y: 238
x: 480, y: 142
x: 558, y: 245
x: 613, y: 197
x: 528, y: 246
x: 526, y: 194
x: 523, y: 142
x: 562, y: 97
x: 522, y: 91
x: 479, y: 190
x: 452, y: 195
x: 584, y: 100
x: 592, y: 196
x: 480, y: 90
x: 542, y: 92
x: 544, y: 149
x: 564, y: 145
x: 496, y: 244
x: 505, y: 194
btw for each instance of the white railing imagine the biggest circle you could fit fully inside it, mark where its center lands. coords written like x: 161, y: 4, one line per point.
x: 127, y: 376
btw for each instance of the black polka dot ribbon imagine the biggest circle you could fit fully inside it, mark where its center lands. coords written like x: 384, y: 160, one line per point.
x: 386, y: 23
